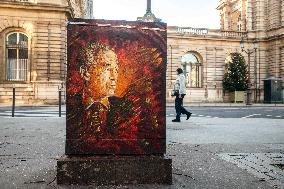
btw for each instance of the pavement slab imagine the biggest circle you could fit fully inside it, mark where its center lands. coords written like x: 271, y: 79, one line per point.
x: 30, y: 147
x: 260, y: 165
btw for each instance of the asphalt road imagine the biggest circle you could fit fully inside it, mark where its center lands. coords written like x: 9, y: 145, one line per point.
x: 33, y: 111
x: 209, y: 112
x: 233, y: 112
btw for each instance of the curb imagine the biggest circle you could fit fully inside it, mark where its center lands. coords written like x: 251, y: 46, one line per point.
x: 226, y: 105
x: 169, y: 105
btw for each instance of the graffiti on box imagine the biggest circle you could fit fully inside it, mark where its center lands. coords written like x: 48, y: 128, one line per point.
x: 116, y: 89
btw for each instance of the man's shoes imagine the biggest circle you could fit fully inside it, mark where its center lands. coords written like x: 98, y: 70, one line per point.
x: 176, y: 120
x: 188, y: 115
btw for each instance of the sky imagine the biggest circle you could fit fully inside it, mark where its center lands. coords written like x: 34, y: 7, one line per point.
x: 184, y: 13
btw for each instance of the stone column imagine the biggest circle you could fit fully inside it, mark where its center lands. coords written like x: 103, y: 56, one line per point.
x: 249, y: 15
x: 243, y: 13
x: 273, y: 13
x: 282, y: 13
x: 260, y: 15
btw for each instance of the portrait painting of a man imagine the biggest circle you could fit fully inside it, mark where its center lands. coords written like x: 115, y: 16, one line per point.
x: 116, y: 88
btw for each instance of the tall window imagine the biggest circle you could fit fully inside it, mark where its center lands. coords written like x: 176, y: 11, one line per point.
x: 239, y: 23
x: 17, y: 57
x: 192, y: 68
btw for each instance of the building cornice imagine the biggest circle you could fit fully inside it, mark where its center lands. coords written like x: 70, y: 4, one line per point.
x: 221, y: 6
x: 38, y: 6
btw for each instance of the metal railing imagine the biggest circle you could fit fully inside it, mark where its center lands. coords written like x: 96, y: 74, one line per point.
x: 17, y: 69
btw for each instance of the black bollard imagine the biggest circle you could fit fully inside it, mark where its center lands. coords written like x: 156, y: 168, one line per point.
x: 59, y: 102
x: 13, y: 105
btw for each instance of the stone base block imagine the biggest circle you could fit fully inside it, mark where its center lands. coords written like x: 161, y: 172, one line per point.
x: 98, y: 170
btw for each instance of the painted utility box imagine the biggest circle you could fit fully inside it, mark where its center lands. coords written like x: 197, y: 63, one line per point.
x: 116, y: 88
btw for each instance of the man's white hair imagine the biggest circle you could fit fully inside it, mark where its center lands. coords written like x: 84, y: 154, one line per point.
x: 92, y: 54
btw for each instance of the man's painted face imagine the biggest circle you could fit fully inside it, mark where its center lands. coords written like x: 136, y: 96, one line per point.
x: 100, y: 71
x: 102, y: 74
x: 108, y: 73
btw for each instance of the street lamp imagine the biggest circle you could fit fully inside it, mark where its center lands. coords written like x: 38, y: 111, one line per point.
x: 249, y: 52
x: 255, y: 46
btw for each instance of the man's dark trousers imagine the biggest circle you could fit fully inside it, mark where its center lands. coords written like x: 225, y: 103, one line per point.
x: 179, y: 106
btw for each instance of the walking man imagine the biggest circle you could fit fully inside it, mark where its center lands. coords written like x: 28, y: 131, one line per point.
x: 179, y: 86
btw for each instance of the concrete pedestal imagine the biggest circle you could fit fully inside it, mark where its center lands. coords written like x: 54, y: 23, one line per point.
x: 114, y: 170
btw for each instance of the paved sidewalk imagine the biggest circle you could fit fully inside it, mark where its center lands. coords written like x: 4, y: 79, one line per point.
x: 201, y: 150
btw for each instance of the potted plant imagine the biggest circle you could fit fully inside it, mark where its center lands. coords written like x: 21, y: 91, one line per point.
x: 236, y: 77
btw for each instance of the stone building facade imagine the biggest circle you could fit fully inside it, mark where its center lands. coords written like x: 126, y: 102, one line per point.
x: 33, y: 47
x: 203, y: 52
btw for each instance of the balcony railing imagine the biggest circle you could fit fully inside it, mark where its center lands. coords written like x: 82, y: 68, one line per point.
x: 206, y: 32
x: 234, y: 34
x: 194, y: 31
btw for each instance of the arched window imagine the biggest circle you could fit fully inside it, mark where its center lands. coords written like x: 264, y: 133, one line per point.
x: 17, y: 57
x: 192, y: 69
